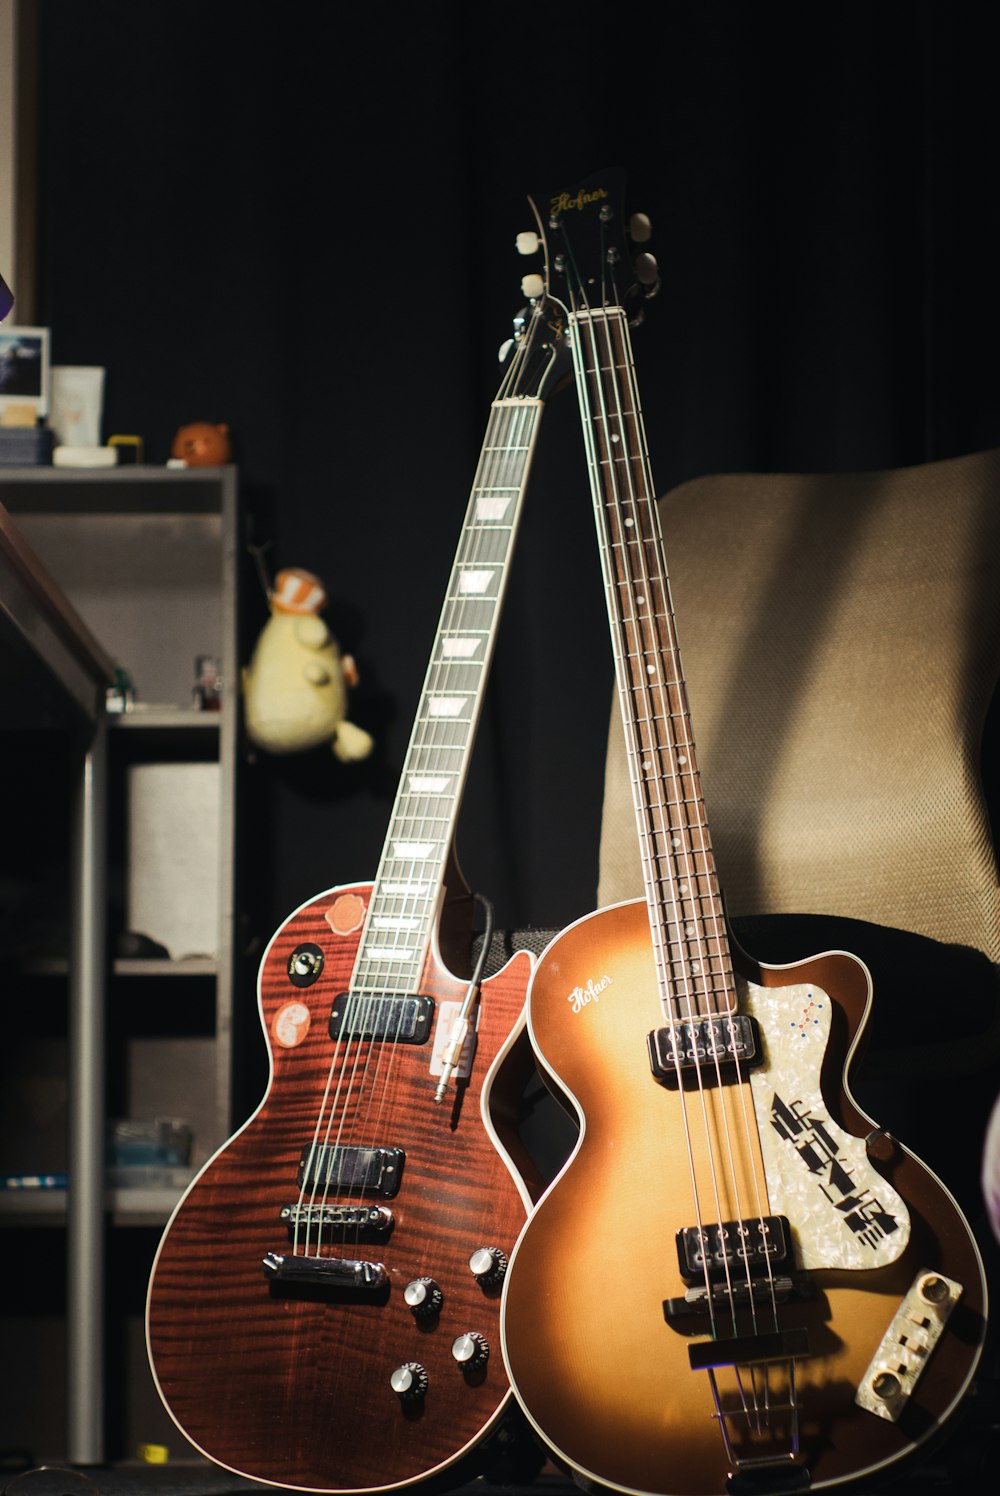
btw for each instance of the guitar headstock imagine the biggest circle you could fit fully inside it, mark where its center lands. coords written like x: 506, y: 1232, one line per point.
x: 536, y: 357
x: 591, y: 258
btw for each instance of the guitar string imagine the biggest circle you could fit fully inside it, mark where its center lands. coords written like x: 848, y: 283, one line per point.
x: 375, y: 974
x: 502, y: 438
x: 486, y: 546
x: 410, y: 824
x: 688, y: 851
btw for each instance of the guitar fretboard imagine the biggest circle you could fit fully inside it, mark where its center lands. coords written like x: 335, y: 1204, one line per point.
x: 690, y: 945
x: 407, y: 886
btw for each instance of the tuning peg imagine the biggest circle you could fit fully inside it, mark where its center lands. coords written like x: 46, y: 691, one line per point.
x: 640, y: 228
x: 647, y: 272
x: 504, y: 350
x: 528, y: 243
x: 533, y: 286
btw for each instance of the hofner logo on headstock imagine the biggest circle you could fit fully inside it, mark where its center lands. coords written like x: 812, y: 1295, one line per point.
x: 562, y: 202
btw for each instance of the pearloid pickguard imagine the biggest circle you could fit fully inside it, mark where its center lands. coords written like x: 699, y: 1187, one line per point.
x: 842, y: 1211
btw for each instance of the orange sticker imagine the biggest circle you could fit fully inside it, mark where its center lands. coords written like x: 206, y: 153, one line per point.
x: 290, y: 1025
x: 346, y: 914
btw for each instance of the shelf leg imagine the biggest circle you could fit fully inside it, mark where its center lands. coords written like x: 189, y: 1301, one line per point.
x: 85, y: 1327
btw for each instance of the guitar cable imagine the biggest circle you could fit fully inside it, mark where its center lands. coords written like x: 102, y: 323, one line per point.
x: 460, y: 1027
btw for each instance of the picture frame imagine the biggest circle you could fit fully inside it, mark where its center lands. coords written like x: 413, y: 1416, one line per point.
x: 25, y: 369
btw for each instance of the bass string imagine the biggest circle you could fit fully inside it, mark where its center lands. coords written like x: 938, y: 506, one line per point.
x: 502, y: 461
x: 649, y: 531
x: 687, y: 791
x: 632, y: 691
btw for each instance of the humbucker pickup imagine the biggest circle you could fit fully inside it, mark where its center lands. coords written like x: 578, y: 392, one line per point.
x: 382, y: 1015
x: 733, y: 1246
x: 373, y: 1171
x: 686, y: 1050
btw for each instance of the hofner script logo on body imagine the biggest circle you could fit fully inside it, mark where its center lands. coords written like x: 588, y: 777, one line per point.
x: 581, y: 996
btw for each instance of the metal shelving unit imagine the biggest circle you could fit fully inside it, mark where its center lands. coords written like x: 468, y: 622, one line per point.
x: 133, y: 567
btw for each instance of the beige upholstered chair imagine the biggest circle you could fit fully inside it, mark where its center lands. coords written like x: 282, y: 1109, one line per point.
x: 840, y: 636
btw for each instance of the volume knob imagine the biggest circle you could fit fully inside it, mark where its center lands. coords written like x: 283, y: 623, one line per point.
x: 423, y: 1297
x: 471, y: 1350
x: 488, y: 1265
x: 409, y: 1382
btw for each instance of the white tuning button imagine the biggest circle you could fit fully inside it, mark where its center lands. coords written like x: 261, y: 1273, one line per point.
x: 471, y: 1350
x: 409, y: 1381
x: 646, y: 269
x: 504, y: 350
x: 640, y: 228
x: 533, y: 287
x: 488, y: 1265
x: 528, y: 243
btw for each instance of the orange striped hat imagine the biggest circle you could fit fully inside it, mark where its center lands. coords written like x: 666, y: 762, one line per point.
x: 297, y: 591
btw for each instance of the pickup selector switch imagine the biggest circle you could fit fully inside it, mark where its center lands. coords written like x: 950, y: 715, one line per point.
x: 305, y: 964
x: 423, y: 1297
x: 409, y: 1382
x: 471, y: 1351
x: 488, y: 1265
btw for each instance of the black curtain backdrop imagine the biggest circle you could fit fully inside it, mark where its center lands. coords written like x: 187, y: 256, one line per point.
x: 300, y: 220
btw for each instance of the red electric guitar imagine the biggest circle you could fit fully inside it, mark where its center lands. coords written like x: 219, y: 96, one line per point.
x: 738, y: 1282
x: 323, y: 1310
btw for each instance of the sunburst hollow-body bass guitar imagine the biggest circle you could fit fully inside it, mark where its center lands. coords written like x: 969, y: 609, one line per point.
x: 738, y: 1281
x: 323, y: 1310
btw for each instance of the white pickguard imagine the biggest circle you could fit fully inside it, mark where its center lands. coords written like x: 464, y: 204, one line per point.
x: 842, y: 1211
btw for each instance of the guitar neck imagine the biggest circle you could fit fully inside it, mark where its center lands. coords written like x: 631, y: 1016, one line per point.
x: 691, y: 951
x: 408, y: 882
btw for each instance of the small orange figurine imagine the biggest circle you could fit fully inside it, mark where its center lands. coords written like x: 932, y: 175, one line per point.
x: 202, y: 445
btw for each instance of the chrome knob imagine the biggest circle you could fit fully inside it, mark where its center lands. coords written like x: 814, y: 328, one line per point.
x: 423, y: 1297
x: 488, y: 1265
x: 409, y: 1382
x: 471, y: 1350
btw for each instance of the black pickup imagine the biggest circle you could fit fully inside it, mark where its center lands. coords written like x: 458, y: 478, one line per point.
x: 691, y: 1051
x: 734, y: 1247
x: 372, y: 1171
x: 382, y: 1015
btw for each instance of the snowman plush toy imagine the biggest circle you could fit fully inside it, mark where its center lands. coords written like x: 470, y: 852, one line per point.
x: 295, y: 687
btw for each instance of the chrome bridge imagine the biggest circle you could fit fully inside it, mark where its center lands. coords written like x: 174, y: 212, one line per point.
x: 295, y: 1270
x: 366, y: 1220
x: 758, y: 1293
